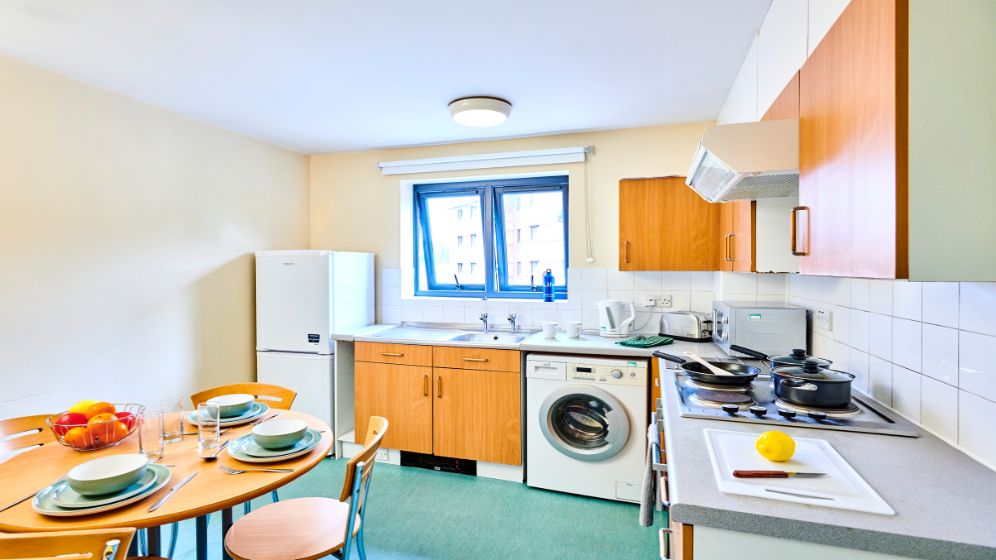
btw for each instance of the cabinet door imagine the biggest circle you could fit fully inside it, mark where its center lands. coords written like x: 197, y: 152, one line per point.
x: 726, y: 234
x: 477, y: 415
x: 786, y: 105
x: 402, y: 394
x: 665, y: 225
x: 852, y: 145
x: 742, y: 245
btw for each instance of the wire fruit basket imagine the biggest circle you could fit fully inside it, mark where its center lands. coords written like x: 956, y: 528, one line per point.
x: 97, y: 433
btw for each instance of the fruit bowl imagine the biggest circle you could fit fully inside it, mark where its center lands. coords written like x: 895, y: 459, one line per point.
x: 100, y: 431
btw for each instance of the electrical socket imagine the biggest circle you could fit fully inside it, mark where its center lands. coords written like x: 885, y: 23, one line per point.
x: 650, y: 301
x: 823, y: 319
x: 383, y: 455
x: 664, y: 300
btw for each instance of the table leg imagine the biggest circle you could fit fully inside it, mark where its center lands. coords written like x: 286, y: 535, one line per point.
x: 202, y: 537
x: 226, y: 524
x: 133, y: 547
x: 155, y: 541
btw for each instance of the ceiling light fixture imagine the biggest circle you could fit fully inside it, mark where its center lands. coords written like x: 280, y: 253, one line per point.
x: 480, y: 111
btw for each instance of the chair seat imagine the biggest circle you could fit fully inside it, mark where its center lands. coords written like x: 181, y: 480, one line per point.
x: 299, y: 529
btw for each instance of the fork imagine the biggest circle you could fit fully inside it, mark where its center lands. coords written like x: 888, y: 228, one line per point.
x: 231, y: 470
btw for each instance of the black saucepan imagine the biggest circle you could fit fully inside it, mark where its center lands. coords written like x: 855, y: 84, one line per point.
x: 740, y: 374
x: 813, y: 386
x: 798, y: 357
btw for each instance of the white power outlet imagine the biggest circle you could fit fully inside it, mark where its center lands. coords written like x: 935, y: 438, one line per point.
x: 823, y: 319
x: 383, y: 455
x: 664, y: 301
x: 650, y: 301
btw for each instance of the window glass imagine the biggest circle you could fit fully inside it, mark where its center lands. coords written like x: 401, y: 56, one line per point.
x: 449, y: 219
x: 542, y: 213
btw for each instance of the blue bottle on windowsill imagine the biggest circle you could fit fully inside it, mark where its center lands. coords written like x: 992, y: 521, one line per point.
x: 548, y: 285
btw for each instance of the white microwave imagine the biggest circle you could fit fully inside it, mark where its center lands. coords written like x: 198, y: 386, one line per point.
x: 771, y: 328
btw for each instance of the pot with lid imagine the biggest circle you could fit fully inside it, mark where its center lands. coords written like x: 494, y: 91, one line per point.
x: 812, y: 386
x: 797, y: 357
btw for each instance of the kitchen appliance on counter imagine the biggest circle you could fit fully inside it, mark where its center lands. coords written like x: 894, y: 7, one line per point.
x: 756, y: 403
x: 689, y: 326
x: 302, y: 297
x: 585, y: 421
x: 771, y: 328
x: 615, y: 318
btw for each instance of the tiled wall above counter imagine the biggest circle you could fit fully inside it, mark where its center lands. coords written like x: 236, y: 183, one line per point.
x: 923, y: 348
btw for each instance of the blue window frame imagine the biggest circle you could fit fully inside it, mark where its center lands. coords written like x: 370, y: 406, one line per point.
x: 503, y: 264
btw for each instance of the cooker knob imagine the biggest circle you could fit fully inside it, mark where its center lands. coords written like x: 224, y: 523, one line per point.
x: 758, y: 410
x: 817, y: 415
x: 787, y: 413
x: 615, y: 373
x: 731, y: 408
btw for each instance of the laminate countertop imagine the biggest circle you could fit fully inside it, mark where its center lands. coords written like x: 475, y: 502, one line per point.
x: 945, y: 501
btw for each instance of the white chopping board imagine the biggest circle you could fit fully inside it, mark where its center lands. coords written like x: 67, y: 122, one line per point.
x: 842, y: 488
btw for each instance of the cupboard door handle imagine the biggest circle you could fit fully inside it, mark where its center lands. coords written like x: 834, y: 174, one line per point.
x: 626, y: 251
x: 439, y: 387
x: 796, y: 233
x: 392, y: 354
x: 728, y: 253
x: 474, y: 359
x: 425, y: 385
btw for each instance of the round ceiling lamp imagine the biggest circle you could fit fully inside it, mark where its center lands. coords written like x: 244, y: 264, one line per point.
x: 480, y: 111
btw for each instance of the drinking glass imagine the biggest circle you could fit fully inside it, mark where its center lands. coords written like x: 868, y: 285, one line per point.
x: 208, y: 429
x: 172, y: 409
x: 150, y: 436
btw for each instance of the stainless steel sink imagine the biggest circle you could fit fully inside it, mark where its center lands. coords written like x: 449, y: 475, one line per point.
x: 492, y: 338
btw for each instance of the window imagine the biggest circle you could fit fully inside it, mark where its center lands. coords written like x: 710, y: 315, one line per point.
x: 494, y: 213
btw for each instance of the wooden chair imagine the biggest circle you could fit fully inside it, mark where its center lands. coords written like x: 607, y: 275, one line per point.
x: 308, y: 528
x: 23, y: 433
x: 96, y: 544
x: 273, y: 395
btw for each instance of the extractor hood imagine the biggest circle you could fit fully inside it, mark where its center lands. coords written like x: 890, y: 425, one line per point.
x: 747, y: 161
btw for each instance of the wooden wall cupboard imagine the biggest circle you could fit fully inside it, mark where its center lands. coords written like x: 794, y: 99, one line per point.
x: 457, y: 402
x: 736, y: 228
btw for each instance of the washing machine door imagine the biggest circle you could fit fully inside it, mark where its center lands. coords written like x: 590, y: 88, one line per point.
x: 584, y: 422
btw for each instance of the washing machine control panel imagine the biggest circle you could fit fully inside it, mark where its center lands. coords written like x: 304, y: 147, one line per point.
x: 619, y: 373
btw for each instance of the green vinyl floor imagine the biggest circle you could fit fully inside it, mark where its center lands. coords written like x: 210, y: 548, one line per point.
x: 416, y: 514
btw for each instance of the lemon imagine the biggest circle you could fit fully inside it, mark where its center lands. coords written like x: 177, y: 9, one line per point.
x: 775, y: 446
x: 82, y: 406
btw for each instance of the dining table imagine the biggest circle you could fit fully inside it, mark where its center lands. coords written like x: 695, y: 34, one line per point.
x: 210, y: 490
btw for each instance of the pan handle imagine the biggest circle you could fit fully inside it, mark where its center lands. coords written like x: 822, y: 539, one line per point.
x: 749, y: 352
x: 670, y: 357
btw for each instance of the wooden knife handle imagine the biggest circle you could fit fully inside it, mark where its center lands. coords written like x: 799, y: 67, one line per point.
x: 760, y: 474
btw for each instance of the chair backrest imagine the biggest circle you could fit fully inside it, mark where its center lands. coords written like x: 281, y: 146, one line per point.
x: 95, y: 544
x: 273, y: 395
x: 358, y: 472
x: 17, y: 434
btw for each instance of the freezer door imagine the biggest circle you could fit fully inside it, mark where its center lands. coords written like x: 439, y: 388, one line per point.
x: 293, y: 301
x: 310, y: 375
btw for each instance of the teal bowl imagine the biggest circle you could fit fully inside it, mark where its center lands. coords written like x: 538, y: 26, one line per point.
x: 278, y: 434
x: 233, y: 405
x: 107, y: 475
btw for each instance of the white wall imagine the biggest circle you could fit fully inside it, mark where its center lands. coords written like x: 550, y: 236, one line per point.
x: 126, y: 240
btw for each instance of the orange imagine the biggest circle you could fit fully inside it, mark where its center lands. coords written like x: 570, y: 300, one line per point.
x: 77, y: 437
x: 101, y: 418
x: 116, y: 431
x: 99, y: 408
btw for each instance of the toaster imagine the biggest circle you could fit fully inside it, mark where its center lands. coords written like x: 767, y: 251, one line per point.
x: 689, y: 326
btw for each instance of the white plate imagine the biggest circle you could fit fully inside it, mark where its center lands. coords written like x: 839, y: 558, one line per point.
x: 730, y: 450
x: 42, y: 502
x: 249, y: 446
x: 64, y: 496
x: 257, y: 410
x: 236, y: 450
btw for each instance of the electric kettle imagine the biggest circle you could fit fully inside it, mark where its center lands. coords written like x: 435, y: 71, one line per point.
x: 615, y: 318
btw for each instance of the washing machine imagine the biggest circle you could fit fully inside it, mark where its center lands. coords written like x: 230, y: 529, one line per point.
x: 586, y: 423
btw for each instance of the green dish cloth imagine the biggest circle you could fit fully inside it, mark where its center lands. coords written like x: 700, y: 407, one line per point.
x: 641, y: 341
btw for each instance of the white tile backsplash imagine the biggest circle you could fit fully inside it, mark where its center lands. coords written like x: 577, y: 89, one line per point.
x: 594, y: 279
x: 647, y: 281
x: 619, y: 280
x: 923, y: 348
x: 675, y: 280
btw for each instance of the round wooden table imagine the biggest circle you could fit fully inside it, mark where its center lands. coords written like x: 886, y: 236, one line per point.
x: 210, y: 491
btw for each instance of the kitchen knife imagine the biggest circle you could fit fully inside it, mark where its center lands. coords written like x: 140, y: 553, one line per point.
x: 172, y: 491
x: 776, y: 474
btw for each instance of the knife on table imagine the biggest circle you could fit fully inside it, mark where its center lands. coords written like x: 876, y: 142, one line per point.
x: 172, y: 491
x: 776, y: 474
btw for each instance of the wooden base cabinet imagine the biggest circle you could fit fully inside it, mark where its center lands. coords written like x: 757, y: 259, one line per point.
x: 402, y: 394
x: 476, y: 415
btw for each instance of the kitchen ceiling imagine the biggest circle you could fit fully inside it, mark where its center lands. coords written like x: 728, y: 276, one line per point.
x: 333, y: 75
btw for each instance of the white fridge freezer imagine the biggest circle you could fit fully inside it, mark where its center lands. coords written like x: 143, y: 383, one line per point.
x: 308, y: 374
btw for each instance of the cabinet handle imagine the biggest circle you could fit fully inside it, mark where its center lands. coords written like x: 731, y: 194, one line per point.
x: 439, y: 387
x: 727, y: 250
x: 392, y: 354
x: 425, y: 385
x: 474, y: 359
x: 796, y: 233
x: 626, y: 251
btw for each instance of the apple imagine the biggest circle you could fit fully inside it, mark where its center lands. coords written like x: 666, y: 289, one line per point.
x: 67, y: 420
x: 126, y: 418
